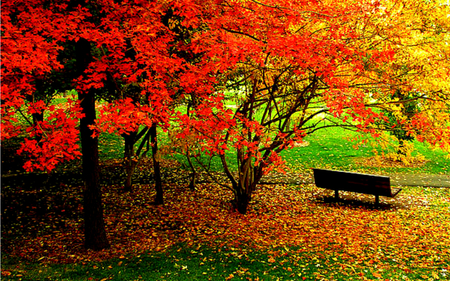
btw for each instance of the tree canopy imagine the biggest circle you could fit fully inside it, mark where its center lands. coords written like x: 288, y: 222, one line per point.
x: 289, y: 66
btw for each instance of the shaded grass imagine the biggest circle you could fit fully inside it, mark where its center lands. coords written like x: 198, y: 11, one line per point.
x: 110, y: 147
x: 187, y: 263
x: 179, y: 263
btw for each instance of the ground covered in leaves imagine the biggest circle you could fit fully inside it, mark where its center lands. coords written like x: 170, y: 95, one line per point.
x: 295, y: 226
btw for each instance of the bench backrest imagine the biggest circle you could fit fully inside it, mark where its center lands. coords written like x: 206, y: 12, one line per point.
x: 356, y: 182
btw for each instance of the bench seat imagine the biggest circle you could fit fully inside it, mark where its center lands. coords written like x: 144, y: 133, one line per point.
x: 355, y: 182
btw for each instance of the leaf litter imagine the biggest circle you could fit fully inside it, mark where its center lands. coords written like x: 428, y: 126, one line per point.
x: 289, y: 222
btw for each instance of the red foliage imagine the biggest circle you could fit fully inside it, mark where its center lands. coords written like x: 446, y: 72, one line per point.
x: 188, y: 49
x: 58, y: 137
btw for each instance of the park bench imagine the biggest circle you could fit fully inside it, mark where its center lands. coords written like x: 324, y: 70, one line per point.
x: 355, y: 182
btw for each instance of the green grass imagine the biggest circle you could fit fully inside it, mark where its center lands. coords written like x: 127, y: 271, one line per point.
x: 333, y: 148
x: 328, y: 148
x: 110, y: 147
x: 179, y: 263
x: 183, y: 262
x: 438, y: 160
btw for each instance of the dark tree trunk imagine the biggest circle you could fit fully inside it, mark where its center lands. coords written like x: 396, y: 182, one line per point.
x: 130, y: 162
x: 193, y: 173
x: 242, y: 200
x: 192, y: 181
x: 249, y: 176
x: 94, y: 228
x: 159, y: 199
x: 37, y: 119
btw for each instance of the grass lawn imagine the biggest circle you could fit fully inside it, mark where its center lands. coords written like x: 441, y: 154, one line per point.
x: 334, y: 149
x: 292, y: 232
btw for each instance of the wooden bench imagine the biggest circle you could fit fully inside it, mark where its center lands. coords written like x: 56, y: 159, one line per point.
x: 355, y: 182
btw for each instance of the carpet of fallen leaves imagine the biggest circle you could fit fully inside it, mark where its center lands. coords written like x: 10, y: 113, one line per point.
x: 409, y: 231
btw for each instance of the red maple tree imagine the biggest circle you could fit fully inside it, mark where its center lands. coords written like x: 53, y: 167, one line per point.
x: 289, y: 66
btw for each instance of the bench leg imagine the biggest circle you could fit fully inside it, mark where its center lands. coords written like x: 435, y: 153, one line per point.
x: 377, y: 200
x: 336, y: 194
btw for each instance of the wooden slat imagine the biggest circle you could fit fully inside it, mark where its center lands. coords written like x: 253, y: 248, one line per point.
x: 355, y: 182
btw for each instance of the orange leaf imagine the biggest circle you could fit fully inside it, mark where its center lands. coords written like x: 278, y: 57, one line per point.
x: 377, y: 275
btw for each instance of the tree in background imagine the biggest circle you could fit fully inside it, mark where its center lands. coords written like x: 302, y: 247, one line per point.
x: 298, y: 67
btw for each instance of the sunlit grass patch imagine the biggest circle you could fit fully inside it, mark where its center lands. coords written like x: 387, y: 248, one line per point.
x: 336, y: 148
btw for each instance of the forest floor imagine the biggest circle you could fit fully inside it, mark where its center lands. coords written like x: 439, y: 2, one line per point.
x: 291, y: 231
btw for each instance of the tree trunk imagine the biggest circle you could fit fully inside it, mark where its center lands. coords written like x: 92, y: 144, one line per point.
x: 249, y: 176
x: 37, y: 119
x: 94, y: 229
x: 130, y: 163
x: 401, y: 147
x: 193, y: 174
x: 159, y: 199
x: 242, y: 200
x: 245, y: 183
x: 94, y: 226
